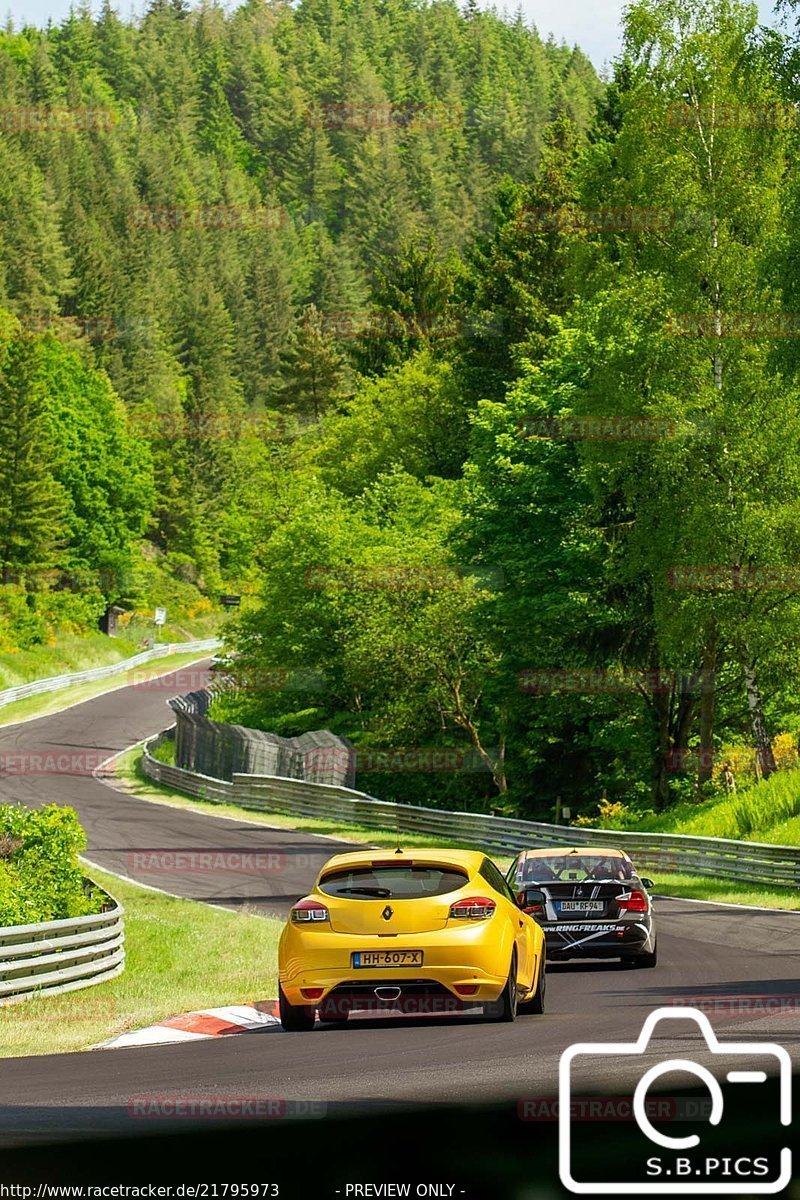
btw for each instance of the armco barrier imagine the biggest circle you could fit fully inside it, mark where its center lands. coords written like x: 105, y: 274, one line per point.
x: 61, y: 956
x: 746, y: 862
x: 57, y: 682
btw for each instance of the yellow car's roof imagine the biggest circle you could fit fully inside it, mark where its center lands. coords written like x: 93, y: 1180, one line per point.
x: 597, y: 851
x: 470, y: 860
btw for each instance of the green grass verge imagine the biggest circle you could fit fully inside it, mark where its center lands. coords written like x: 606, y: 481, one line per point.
x: 131, y: 778
x: 693, y: 887
x: 766, y: 812
x: 64, y: 655
x: 52, y: 702
x: 181, y: 956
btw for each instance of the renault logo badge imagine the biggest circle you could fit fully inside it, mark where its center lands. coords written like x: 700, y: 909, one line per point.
x: 387, y: 913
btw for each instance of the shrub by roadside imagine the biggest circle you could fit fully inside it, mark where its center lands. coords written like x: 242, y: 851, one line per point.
x: 40, y: 876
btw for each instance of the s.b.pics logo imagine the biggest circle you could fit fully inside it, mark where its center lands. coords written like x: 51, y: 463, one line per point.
x: 721, y: 1133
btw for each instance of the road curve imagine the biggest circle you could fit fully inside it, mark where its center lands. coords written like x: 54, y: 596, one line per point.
x: 743, y: 966
x: 52, y: 759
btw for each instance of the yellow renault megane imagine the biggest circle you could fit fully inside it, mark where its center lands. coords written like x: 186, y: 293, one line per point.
x: 416, y: 931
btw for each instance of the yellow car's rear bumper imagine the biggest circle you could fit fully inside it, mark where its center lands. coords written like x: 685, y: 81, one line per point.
x: 469, y: 957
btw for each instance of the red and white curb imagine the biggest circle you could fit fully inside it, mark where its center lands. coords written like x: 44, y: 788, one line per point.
x: 237, y: 1018
x: 197, y: 1026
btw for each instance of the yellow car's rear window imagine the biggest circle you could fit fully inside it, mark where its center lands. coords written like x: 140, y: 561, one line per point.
x: 393, y: 882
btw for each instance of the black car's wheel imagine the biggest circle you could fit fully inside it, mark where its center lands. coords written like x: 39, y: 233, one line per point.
x: 648, y: 959
x: 505, y: 1008
x: 295, y: 1018
x: 536, y: 1004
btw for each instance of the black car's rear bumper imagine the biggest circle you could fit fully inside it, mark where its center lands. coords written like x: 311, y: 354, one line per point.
x: 597, y: 939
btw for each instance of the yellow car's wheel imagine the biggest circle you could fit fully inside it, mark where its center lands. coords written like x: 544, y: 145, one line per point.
x: 295, y: 1018
x: 330, y: 1013
x: 505, y: 1007
x: 536, y: 1002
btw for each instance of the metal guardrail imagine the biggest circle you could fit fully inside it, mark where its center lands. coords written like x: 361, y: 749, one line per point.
x: 56, y: 682
x: 720, y: 858
x: 61, y: 956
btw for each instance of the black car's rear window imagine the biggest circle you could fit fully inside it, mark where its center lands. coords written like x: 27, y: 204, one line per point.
x: 575, y: 868
x: 395, y: 882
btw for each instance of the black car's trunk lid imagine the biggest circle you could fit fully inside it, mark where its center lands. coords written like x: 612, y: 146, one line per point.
x: 585, y: 901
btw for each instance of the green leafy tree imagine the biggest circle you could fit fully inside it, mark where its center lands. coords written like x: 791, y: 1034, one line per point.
x: 413, y: 417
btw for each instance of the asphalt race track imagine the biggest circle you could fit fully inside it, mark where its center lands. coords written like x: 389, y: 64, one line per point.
x: 136, y: 838
x: 744, y: 966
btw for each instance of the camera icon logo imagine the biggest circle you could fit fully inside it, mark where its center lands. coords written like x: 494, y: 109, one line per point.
x: 676, y: 1171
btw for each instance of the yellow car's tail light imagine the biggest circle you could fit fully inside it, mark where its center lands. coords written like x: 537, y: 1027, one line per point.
x: 309, y: 911
x: 473, y: 908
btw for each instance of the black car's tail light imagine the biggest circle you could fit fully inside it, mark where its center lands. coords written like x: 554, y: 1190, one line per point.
x: 635, y: 902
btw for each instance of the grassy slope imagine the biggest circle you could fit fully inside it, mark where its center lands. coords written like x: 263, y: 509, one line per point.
x: 182, y: 956
x: 85, y: 651
x: 50, y: 702
x: 767, y: 812
x: 132, y: 778
x: 65, y: 655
